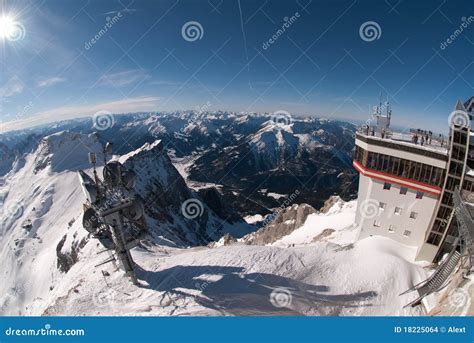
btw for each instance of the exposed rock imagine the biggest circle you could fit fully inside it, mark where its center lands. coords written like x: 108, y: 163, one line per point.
x: 323, y: 235
x: 227, y: 239
x: 66, y: 259
x: 330, y: 203
x: 285, y: 222
x: 174, y: 211
x: 214, y: 200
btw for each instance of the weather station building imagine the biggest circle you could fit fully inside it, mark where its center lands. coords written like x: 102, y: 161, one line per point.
x: 408, y: 179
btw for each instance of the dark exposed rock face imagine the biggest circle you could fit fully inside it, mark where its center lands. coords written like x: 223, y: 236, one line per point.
x: 214, y: 200
x: 285, y: 222
x: 174, y: 210
x: 67, y: 259
x: 7, y: 157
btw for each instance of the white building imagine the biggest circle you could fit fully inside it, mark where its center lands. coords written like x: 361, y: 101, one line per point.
x: 407, y: 181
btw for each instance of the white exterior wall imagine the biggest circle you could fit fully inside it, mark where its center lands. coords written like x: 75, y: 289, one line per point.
x: 371, y: 192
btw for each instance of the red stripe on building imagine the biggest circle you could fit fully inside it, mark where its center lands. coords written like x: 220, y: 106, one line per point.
x: 381, y: 176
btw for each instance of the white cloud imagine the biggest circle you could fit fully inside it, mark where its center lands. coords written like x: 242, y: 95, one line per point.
x: 51, y: 81
x: 12, y: 87
x: 123, y: 78
x: 128, y: 105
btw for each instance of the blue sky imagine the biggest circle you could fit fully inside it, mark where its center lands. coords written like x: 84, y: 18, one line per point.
x: 319, y: 65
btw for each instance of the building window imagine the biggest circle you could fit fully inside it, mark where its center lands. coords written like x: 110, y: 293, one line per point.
x: 387, y: 186
x: 419, y: 195
x: 382, y: 206
x: 398, y: 211
x: 407, y: 233
x: 403, y: 190
x: 377, y: 223
x: 434, y: 239
x: 413, y: 215
x: 392, y: 229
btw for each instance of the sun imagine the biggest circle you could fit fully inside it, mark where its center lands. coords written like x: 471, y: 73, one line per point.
x: 10, y: 29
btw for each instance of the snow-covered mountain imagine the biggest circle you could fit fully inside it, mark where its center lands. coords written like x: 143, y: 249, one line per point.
x: 41, y: 234
x: 302, y: 262
x: 296, y: 261
x: 252, y: 156
x: 300, y: 274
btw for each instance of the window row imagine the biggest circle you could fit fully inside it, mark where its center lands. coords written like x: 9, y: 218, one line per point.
x: 393, y: 229
x: 403, y: 190
x: 397, y: 210
x: 400, y: 167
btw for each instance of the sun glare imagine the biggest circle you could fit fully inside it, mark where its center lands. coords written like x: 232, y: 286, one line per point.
x: 10, y: 29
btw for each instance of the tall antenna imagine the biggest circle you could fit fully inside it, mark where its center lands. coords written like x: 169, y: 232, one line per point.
x: 116, y: 217
x: 93, y: 161
x: 107, y: 150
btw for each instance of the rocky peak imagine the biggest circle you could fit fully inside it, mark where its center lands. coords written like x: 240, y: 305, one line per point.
x: 284, y: 222
x: 67, y: 151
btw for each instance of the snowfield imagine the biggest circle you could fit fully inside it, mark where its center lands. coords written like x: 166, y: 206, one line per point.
x: 316, y: 279
x: 318, y: 269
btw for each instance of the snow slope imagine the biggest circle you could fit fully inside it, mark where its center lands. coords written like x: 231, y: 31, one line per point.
x: 48, y: 267
x: 318, y: 278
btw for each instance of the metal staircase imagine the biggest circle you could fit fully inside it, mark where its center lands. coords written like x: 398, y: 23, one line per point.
x: 462, y: 247
x: 438, y: 280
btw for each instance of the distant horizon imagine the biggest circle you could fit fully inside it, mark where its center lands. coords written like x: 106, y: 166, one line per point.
x: 329, y: 59
x: 355, y: 121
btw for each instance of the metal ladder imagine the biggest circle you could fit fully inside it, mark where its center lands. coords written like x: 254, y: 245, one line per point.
x: 437, y: 280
